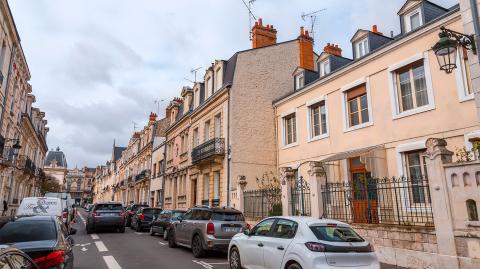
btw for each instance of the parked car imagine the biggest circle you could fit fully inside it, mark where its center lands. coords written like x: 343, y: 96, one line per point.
x: 206, y: 228
x: 300, y: 242
x: 130, y: 211
x: 144, y: 217
x: 13, y: 258
x: 106, y: 215
x: 69, y: 211
x: 89, y: 207
x: 163, y: 223
x: 44, y: 206
x: 44, y: 238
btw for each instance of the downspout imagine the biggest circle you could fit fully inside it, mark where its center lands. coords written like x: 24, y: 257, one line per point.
x: 275, y: 122
x: 228, y: 150
x: 476, y: 25
x: 12, y: 58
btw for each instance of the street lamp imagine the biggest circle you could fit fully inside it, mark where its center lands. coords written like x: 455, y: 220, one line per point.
x: 446, y: 48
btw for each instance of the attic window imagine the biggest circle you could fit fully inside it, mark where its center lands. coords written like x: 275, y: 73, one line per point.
x: 324, y: 67
x: 300, y: 81
x: 413, y: 20
x: 361, y: 48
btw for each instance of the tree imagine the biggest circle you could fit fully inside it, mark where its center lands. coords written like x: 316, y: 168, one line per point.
x: 50, y: 184
x: 268, y: 181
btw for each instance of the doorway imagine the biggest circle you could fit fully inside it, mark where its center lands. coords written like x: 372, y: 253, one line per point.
x: 364, y: 193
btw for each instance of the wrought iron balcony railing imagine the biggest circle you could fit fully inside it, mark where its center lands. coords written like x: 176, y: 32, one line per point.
x: 211, y: 148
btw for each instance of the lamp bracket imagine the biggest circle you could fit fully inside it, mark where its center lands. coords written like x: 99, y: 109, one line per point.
x: 466, y: 41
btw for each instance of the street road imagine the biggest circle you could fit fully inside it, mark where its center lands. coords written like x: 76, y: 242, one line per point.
x: 132, y: 250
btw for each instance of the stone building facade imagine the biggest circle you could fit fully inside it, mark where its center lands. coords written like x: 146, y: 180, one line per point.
x: 56, y: 166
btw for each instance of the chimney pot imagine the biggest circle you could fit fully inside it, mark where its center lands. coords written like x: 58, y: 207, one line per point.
x: 374, y: 28
x: 306, y: 50
x: 260, y: 21
x: 332, y: 49
x: 263, y: 35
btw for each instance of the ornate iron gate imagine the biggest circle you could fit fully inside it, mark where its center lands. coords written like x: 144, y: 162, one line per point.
x: 262, y: 203
x: 300, y: 197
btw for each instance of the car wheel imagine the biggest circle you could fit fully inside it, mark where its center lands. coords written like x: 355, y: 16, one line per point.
x: 234, y: 258
x: 197, y: 247
x: 165, y: 235
x: 294, y: 266
x: 152, y: 233
x: 171, y: 240
x: 122, y: 229
x: 138, y: 227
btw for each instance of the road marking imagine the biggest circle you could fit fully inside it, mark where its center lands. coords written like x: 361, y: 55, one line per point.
x: 101, y: 246
x: 137, y: 233
x: 95, y: 236
x: 84, y: 249
x: 161, y: 243
x: 217, y: 263
x: 111, y: 262
x: 203, y: 264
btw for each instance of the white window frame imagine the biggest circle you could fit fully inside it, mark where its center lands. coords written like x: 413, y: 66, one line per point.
x: 324, y: 63
x: 282, y: 123
x: 366, y: 48
x: 343, y: 91
x: 309, y: 119
x: 408, y: 23
x: 297, y: 81
x: 396, y: 114
x: 461, y: 79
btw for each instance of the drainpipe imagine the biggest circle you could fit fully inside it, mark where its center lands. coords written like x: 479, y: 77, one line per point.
x: 228, y: 150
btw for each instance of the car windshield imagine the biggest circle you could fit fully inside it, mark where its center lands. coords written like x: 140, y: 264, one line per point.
x: 136, y: 207
x: 109, y: 207
x: 228, y: 216
x: 26, y: 231
x: 177, y: 214
x: 336, y: 234
x: 151, y: 211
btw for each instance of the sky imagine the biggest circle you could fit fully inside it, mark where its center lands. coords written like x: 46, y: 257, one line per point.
x: 98, y: 66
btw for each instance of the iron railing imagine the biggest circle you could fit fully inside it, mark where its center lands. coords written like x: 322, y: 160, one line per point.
x: 212, y: 147
x: 300, y: 197
x: 391, y: 201
x: 262, y: 203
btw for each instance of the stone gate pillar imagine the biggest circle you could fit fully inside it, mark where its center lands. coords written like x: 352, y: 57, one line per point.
x: 437, y: 155
x: 318, y: 177
x: 287, y: 175
x: 241, y: 184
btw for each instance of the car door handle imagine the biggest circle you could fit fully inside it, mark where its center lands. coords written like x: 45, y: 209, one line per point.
x: 260, y: 244
x: 280, y: 248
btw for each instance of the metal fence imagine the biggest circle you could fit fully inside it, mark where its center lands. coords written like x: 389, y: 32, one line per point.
x: 300, y: 198
x: 395, y: 201
x: 262, y: 203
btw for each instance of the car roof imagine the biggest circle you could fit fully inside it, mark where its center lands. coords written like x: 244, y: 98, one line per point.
x: 27, y: 218
x: 217, y: 209
x: 108, y: 203
x: 311, y: 220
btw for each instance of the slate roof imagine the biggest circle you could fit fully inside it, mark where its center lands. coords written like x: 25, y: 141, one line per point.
x: 58, y: 156
x: 161, y: 127
x: 117, y: 152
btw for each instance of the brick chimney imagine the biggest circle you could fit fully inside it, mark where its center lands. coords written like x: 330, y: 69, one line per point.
x: 375, y: 30
x: 332, y: 49
x: 263, y: 36
x: 152, y: 118
x: 305, y: 43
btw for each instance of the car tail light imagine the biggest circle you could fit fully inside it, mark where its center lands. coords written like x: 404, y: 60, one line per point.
x: 210, y: 228
x: 315, y: 247
x: 95, y: 214
x: 53, y: 259
x: 141, y: 217
x: 121, y: 214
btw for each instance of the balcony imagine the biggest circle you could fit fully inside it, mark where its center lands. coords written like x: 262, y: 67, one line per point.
x: 145, y: 174
x: 208, y: 150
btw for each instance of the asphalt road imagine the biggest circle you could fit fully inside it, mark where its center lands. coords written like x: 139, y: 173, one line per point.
x: 132, y: 250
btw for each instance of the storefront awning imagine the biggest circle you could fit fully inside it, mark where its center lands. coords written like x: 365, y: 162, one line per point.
x: 364, y: 152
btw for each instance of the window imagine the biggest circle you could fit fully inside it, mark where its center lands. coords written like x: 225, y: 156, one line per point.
x: 27, y: 231
x: 413, y: 20
x: 411, y: 87
x: 472, y: 210
x: 361, y: 48
x: 300, y: 81
x: 218, y: 125
x: 325, y: 68
x: 208, y: 87
x: 416, y: 167
x: 335, y: 234
x: 357, y: 106
x: 195, y: 137
x: 206, y: 186
x: 216, y: 185
x: 207, y: 131
x: 284, y: 229
x: 263, y: 228
x: 218, y: 79
x: 182, y: 145
x: 463, y: 76
x: 289, y: 126
x: 318, y: 119
x: 196, y: 98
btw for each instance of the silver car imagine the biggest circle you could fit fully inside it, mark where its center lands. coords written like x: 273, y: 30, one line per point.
x: 106, y: 215
x: 206, y: 228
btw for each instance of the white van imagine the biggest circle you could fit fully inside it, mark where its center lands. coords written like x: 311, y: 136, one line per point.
x: 44, y: 206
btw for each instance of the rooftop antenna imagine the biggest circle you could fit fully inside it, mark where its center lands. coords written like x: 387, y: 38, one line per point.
x: 251, y: 16
x: 313, y: 19
x: 194, y: 72
x: 134, y: 126
x: 158, y: 105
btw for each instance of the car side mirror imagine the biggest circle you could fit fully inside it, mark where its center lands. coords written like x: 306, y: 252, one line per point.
x: 246, y: 232
x: 72, y: 231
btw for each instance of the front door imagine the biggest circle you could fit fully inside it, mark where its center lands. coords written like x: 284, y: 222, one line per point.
x: 364, y: 193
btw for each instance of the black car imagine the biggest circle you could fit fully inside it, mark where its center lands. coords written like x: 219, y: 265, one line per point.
x: 163, y: 222
x: 13, y: 258
x: 44, y: 238
x: 106, y: 215
x: 144, y: 217
x: 130, y: 211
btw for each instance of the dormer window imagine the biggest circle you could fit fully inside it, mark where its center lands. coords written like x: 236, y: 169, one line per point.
x: 413, y: 20
x: 300, y: 81
x: 208, y: 87
x: 218, y: 79
x: 361, y: 48
x: 324, y: 68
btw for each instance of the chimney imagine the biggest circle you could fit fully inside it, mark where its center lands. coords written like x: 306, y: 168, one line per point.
x: 305, y: 43
x: 332, y: 49
x: 263, y: 36
x: 152, y: 118
x: 375, y: 30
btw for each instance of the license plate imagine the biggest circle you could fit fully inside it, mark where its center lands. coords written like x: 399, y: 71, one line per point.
x: 231, y: 229
x: 111, y: 214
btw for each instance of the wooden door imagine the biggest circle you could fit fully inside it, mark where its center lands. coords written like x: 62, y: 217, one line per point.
x: 364, y: 193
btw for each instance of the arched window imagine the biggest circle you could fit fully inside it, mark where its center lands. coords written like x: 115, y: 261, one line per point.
x: 472, y: 210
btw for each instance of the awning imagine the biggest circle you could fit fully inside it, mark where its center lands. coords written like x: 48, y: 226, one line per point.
x: 364, y: 152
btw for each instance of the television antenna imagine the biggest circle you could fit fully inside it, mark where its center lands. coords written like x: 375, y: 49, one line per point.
x: 251, y: 16
x: 313, y: 19
x: 134, y: 126
x: 194, y: 72
x: 157, y: 102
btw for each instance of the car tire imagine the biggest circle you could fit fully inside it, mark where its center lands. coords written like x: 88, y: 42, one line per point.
x: 171, y: 240
x: 294, y: 266
x: 121, y: 229
x: 234, y: 259
x: 152, y: 233
x: 138, y: 228
x: 197, y: 247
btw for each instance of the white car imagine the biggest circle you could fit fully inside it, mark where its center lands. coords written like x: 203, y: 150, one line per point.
x: 300, y: 242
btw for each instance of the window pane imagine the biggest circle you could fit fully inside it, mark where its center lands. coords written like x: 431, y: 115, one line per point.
x: 363, y: 102
x: 216, y: 185
x: 284, y: 229
x: 415, y: 21
x: 365, y: 116
x: 354, y: 119
x: 25, y: 231
x: 263, y: 228
x: 336, y: 234
x: 206, y: 186
x: 420, y: 86
x: 414, y: 170
x: 353, y: 106
x: 405, y: 91
x: 315, y: 120
x: 323, y: 114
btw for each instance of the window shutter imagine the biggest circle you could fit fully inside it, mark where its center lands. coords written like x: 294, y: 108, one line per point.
x: 356, y: 92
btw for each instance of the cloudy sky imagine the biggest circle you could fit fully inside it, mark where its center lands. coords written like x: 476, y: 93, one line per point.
x: 98, y: 66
